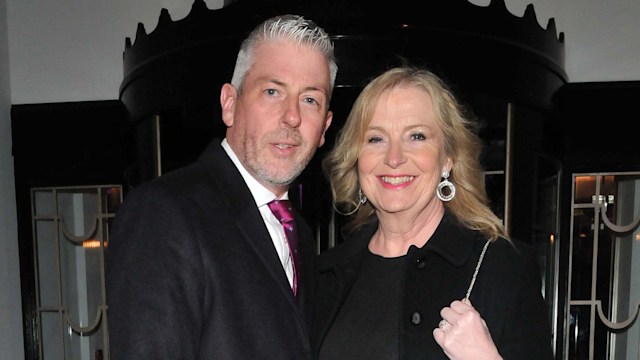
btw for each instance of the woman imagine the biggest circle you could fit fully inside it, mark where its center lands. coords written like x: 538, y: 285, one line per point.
x: 427, y: 271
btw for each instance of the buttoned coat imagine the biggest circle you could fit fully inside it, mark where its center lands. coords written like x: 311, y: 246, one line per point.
x: 507, y: 291
x: 192, y: 272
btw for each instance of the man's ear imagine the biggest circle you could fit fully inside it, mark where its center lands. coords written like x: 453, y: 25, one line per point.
x: 327, y: 122
x: 228, y: 97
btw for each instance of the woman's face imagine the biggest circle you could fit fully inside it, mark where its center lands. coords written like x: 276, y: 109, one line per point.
x: 402, y: 155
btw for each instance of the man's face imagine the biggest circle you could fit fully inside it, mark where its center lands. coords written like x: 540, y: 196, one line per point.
x: 279, y: 120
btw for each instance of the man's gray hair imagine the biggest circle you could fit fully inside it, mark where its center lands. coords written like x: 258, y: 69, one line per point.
x: 284, y: 27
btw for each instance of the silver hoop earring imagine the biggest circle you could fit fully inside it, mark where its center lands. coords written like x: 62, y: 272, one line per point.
x: 362, y: 197
x: 445, y: 183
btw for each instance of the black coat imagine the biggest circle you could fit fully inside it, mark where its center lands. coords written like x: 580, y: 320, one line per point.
x: 507, y: 292
x: 192, y: 272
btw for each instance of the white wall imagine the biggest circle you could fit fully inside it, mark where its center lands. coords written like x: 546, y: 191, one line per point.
x: 10, y: 299
x: 71, y: 50
x: 601, y: 37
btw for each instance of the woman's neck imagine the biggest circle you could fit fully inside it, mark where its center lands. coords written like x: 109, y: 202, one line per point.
x: 398, y: 231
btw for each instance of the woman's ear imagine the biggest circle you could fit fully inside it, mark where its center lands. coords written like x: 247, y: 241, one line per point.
x: 228, y: 97
x: 448, y: 165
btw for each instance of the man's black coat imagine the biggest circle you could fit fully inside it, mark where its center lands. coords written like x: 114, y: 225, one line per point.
x: 192, y: 272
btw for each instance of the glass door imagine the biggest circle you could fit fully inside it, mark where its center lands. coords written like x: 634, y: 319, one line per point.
x: 70, y: 235
x: 604, y: 267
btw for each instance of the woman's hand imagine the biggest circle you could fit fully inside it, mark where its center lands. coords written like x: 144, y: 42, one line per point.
x: 462, y: 334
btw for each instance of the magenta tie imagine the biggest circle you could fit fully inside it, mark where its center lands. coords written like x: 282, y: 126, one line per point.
x: 283, y: 212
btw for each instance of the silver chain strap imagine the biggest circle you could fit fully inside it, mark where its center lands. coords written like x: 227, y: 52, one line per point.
x: 475, y: 273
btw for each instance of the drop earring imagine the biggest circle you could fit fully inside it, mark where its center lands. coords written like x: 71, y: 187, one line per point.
x: 445, y: 183
x: 362, y: 197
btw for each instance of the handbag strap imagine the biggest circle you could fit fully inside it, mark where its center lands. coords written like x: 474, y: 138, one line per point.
x: 475, y: 273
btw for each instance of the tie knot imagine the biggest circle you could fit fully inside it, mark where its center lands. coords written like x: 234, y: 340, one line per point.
x: 282, y: 210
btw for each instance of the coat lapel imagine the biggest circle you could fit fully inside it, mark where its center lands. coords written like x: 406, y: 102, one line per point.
x: 241, y: 206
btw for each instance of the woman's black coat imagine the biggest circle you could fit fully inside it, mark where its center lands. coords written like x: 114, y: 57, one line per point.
x: 507, y: 292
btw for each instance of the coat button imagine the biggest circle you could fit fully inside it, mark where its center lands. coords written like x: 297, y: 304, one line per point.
x: 421, y: 262
x: 416, y: 318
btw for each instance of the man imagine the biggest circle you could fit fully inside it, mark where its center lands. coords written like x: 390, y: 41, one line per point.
x: 199, y: 267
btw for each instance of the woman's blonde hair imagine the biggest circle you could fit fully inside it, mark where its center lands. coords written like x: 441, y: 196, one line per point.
x: 470, y: 205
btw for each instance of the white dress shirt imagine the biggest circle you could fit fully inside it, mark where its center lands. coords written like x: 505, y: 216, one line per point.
x: 262, y: 196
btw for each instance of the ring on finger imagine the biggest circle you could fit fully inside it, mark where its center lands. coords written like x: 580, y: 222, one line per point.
x: 442, y: 324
